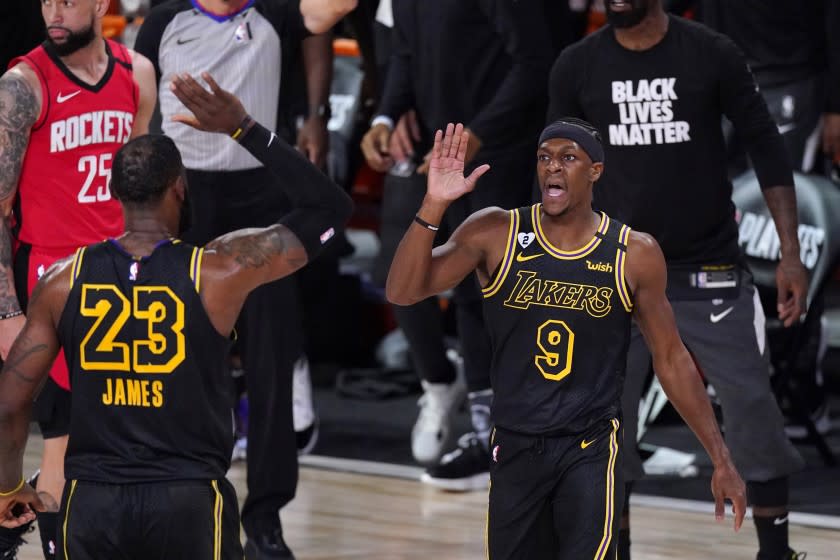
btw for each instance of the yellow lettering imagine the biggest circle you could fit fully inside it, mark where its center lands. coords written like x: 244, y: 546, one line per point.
x: 157, y: 394
x: 108, y: 395
x: 119, y: 392
x: 144, y: 392
x: 133, y: 392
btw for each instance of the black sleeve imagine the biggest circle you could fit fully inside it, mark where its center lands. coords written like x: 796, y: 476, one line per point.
x: 398, y: 93
x: 743, y: 104
x: 148, y: 38
x: 563, y: 85
x: 523, y: 29
x: 832, y: 30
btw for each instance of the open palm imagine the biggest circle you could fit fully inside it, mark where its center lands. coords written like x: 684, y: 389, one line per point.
x: 446, y: 169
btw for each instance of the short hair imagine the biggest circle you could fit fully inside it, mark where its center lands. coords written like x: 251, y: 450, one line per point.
x: 144, y: 168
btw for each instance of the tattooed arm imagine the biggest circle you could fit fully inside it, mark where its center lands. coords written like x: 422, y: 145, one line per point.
x: 238, y: 262
x: 23, y: 375
x: 20, y: 104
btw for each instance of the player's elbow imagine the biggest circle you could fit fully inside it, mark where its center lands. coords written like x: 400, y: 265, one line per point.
x: 397, y: 293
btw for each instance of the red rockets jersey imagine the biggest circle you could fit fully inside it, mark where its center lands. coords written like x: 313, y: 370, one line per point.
x: 65, y: 201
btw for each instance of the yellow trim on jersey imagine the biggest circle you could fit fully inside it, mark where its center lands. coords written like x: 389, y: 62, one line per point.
x: 609, y: 512
x: 195, y: 267
x: 620, y: 263
x: 67, y: 517
x: 77, y: 265
x: 217, y: 521
x: 542, y: 238
x: 507, y: 258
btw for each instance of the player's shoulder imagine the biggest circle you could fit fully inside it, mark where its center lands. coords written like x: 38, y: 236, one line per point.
x: 642, y: 248
x: 706, y: 37
x: 22, y: 85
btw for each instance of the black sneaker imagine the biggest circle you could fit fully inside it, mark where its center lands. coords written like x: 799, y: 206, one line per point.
x: 789, y: 555
x: 268, y: 546
x: 465, y: 469
x: 12, y: 539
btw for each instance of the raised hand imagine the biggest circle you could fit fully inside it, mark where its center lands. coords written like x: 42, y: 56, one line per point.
x: 216, y: 110
x: 727, y: 485
x: 446, y: 168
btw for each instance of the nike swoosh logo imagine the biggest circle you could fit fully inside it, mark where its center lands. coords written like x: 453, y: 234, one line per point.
x: 62, y: 98
x: 715, y: 318
x: 584, y: 444
x: 785, y: 128
x: 185, y: 41
x: 520, y: 258
x: 780, y: 520
x: 270, y: 140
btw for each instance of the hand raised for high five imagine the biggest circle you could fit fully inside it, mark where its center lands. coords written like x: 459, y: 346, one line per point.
x: 216, y: 110
x: 446, y: 169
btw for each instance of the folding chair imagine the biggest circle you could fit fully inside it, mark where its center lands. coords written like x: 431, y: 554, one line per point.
x: 818, y: 202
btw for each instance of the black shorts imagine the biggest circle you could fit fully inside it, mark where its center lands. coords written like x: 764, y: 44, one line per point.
x: 52, y: 410
x: 196, y: 519
x: 570, y: 486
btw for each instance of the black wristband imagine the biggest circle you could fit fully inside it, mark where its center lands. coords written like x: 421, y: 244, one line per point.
x: 426, y: 224
x: 242, y: 128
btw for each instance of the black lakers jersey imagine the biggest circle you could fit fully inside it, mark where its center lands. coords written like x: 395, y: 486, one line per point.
x: 151, y: 389
x: 559, y: 323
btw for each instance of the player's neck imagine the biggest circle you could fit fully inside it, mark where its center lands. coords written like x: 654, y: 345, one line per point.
x: 647, y: 34
x: 571, y: 229
x: 144, y: 230
x: 90, y: 62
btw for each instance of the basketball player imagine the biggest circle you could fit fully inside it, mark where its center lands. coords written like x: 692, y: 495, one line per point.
x: 658, y: 86
x: 65, y: 109
x: 145, y: 321
x: 560, y: 285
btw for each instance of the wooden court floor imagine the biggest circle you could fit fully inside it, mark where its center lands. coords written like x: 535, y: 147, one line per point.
x: 340, y: 515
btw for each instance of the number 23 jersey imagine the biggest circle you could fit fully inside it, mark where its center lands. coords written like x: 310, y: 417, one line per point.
x: 559, y: 322
x: 65, y: 201
x: 151, y: 387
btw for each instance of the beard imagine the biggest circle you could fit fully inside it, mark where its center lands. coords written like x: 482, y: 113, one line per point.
x: 629, y: 18
x: 75, y: 40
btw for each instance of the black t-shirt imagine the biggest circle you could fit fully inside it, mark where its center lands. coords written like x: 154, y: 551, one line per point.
x: 151, y: 398
x: 659, y: 112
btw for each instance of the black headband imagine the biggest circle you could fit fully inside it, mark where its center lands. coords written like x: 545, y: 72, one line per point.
x: 586, y: 139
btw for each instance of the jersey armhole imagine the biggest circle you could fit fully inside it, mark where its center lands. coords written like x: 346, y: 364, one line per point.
x: 624, y: 293
x: 195, y: 267
x: 45, y: 92
x: 504, y: 267
x: 76, y: 269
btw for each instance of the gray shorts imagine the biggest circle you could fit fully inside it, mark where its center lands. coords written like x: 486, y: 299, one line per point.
x: 727, y: 339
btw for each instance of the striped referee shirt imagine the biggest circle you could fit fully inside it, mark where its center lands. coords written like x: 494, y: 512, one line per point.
x: 243, y: 51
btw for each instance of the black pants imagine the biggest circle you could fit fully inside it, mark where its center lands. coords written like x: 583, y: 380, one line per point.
x: 269, y: 335
x: 570, y: 484
x: 164, y: 520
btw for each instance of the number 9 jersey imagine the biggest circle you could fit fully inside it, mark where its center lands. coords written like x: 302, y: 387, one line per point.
x: 64, y: 197
x: 151, y: 386
x: 559, y: 322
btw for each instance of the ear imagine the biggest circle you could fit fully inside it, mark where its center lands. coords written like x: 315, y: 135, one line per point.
x: 595, y: 171
x: 179, y: 187
x: 101, y: 7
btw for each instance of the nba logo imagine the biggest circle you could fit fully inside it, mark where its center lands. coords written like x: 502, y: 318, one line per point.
x: 40, y: 271
x: 496, y: 454
x: 133, y: 270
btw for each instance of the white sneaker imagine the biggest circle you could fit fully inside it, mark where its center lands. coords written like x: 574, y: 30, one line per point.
x: 430, y: 434
x: 303, y: 411
x: 822, y: 422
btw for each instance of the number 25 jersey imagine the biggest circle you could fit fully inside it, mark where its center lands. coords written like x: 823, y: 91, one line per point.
x: 559, y: 322
x: 65, y: 201
x: 151, y: 386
